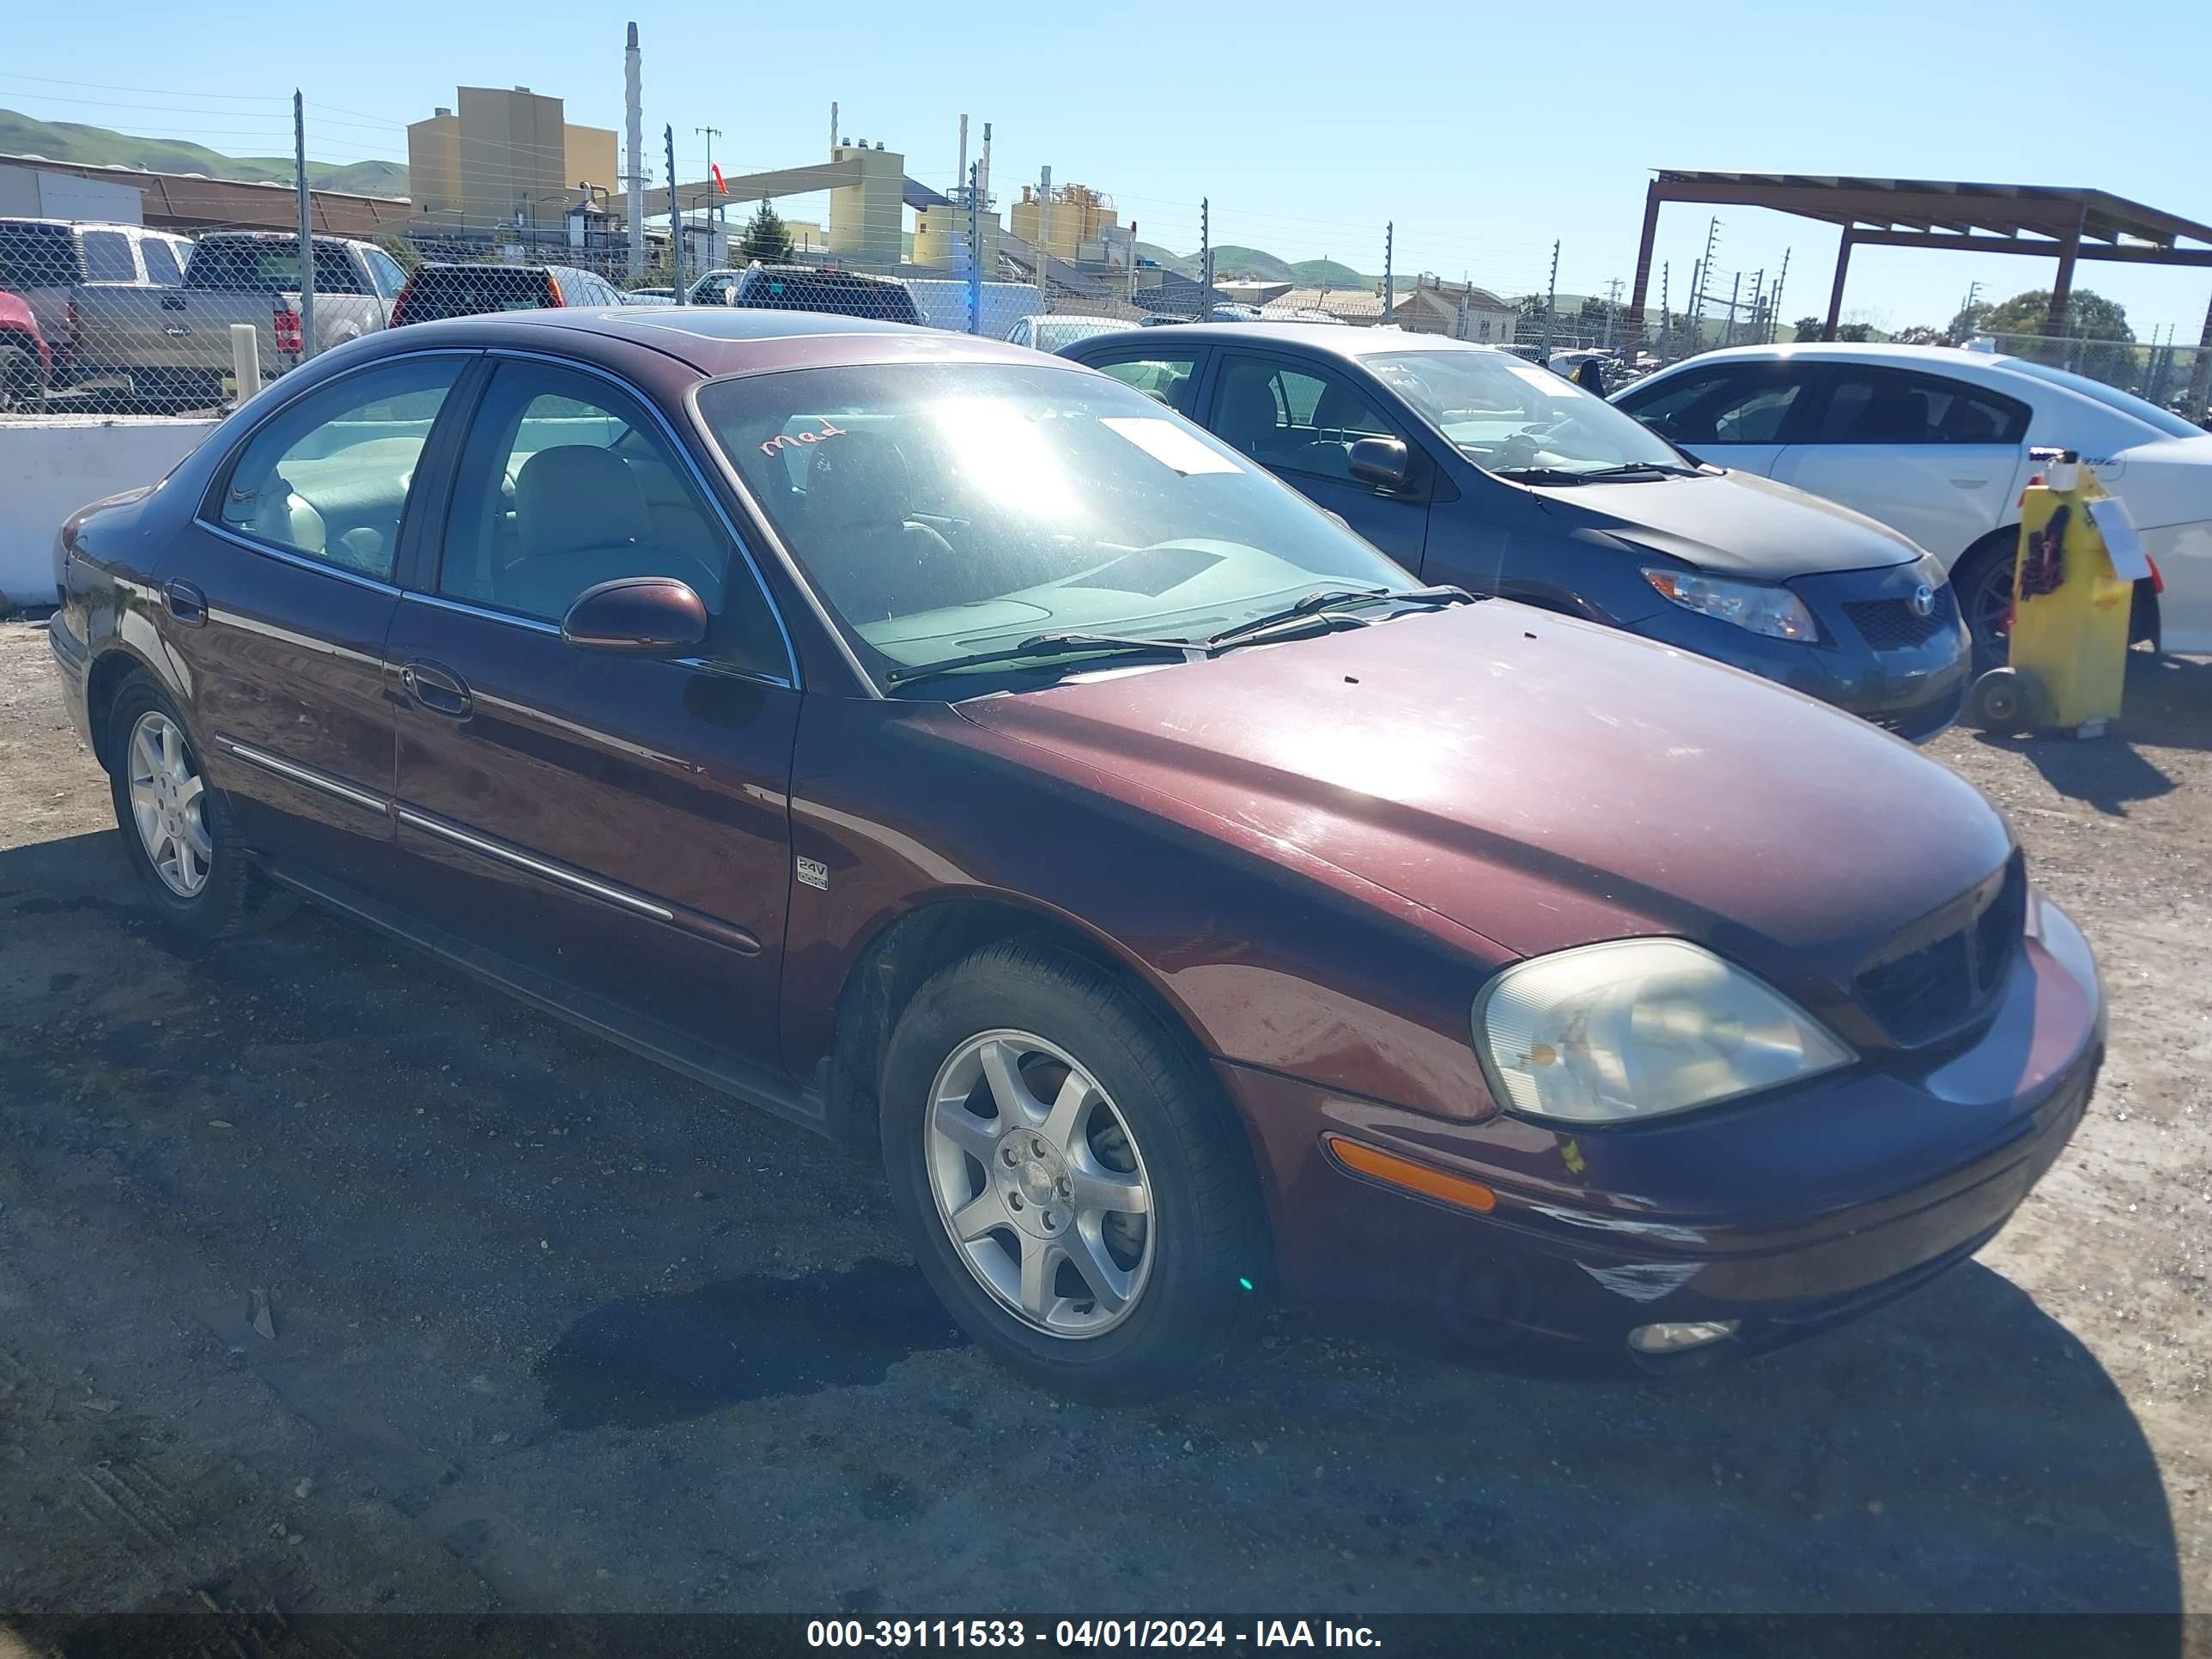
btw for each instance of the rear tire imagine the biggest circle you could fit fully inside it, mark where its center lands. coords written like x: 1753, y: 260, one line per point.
x: 22, y: 390
x: 1982, y: 580
x: 178, y: 830
x: 1030, y: 1101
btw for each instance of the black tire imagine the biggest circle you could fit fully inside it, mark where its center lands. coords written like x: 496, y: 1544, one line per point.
x: 235, y: 897
x: 2008, y: 701
x: 22, y: 391
x: 1208, y: 1237
x: 1983, y: 581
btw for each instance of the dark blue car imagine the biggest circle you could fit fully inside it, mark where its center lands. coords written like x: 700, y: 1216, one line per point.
x: 1468, y: 465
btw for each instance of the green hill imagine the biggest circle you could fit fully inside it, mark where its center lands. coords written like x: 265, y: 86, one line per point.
x: 69, y: 141
x: 1231, y: 261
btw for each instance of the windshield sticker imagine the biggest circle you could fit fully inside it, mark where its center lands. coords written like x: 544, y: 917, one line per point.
x: 783, y: 441
x: 1169, y: 444
x: 1542, y: 378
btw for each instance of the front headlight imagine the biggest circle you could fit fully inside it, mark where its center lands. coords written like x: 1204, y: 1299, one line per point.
x: 1774, y: 611
x: 1634, y: 1028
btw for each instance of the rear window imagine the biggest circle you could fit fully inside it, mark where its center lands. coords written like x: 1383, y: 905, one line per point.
x: 108, y: 257
x: 840, y: 293
x: 471, y: 290
x: 2126, y: 403
x: 255, y: 265
x: 37, y: 256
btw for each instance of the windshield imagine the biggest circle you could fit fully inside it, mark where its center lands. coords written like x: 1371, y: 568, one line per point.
x: 945, y: 510
x: 1508, y: 417
x: 2126, y: 403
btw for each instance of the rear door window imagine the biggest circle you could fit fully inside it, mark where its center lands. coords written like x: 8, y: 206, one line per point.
x: 107, y: 257
x: 161, y: 264
x: 1164, y: 377
x: 1885, y: 407
x: 327, y: 478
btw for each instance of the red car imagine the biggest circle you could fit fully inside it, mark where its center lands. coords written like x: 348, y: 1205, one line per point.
x: 950, y: 749
x: 26, y: 366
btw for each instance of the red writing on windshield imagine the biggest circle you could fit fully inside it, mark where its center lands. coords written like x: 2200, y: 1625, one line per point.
x: 785, y: 440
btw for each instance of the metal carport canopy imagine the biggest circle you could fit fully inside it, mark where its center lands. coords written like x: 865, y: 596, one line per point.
x: 2048, y: 221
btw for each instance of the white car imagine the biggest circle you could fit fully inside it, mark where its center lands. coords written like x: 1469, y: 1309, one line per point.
x: 1935, y: 441
x: 1049, y: 333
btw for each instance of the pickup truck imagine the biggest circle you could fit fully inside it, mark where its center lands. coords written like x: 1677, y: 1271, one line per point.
x: 253, y: 276
x: 94, y: 289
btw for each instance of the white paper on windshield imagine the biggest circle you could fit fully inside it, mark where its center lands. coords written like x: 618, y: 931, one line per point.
x: 2130, y: 562
x: 1542, y: 378
x: 1169, y: 444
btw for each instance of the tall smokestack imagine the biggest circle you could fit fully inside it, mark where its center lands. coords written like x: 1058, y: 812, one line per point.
x: 833, y: 126
x: 634, y: 111
x: 983, y: 177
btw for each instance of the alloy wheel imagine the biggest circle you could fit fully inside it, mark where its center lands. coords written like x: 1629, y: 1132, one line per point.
x: 1040, y: 1184
x: 169, y: 801
x: 1988, y: 612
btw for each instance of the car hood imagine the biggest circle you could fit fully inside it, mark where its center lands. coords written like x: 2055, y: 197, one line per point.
x: 2165, y: 482
x: 1734, y: 523
x: 1544, y: 782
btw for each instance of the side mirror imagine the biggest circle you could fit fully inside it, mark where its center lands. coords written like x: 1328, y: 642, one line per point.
x: 1383, y: 462
x: 639, y: 617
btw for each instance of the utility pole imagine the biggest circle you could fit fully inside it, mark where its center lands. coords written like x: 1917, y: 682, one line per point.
x: 1728, y: 328
x: 1205, y: 255
x: 1973, y: 291
x: 1697, y: 287
x: 1758, y: 324
x: 715, y: 219
x: 975, y: 248
x: 1774, y: 301
x: 633, y: 131
x: 306, y: 235
x: 1389, y: 269
x: 1666, y: 326
x: 1611, y: 305
x: 675, y: 219
x: 1551, y: 300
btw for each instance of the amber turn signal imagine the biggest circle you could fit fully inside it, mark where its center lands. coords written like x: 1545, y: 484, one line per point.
x: 1389, y: 1168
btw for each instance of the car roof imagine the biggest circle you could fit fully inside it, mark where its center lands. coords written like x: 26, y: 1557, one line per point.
x: 1344, y: 340
x: 1852, y: 351
x: 725, y: 339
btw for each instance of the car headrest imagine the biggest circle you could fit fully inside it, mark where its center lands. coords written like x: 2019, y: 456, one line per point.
x: 1343, y: 410
x: 858, y: 479
x: 1247, y: 410
x: 576, y: 496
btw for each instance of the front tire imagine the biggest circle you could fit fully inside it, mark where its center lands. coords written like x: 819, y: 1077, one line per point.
x: 1983, y: 582
x: 177, y: 829
x: 1079, y: 1192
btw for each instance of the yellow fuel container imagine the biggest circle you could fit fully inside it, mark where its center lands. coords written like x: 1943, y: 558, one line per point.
x: 2070, y: 617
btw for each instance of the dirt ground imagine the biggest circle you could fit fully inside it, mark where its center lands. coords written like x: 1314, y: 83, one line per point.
x: 541, y: 1334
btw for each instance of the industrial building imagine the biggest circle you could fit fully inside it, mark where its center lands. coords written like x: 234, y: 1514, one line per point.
x: 504, y: 159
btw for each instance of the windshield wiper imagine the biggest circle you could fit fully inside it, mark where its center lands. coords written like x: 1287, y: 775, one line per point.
x: 1642, y: 470
x: 1538, y: 475
x: 1328, y: 603
x: 1047, y: 645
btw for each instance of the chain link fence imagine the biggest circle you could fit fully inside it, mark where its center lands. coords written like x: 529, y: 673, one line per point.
x: 102, y: 319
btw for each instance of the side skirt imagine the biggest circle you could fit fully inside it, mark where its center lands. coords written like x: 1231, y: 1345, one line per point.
x: 755, y: 1085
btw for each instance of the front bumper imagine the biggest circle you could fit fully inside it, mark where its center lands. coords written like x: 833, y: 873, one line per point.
x: 1788, y: 1214
x: 1914, y: 686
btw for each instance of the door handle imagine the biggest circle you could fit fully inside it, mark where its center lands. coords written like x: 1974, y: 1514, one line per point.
x: 186, y: 602
x: 1970, y: 483
x: 440, y: 690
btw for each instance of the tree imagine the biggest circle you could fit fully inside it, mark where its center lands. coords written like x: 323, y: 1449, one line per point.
x: 766, y: 239
x: 1857, y: 333
x: 2096, y: 341
x: 1920, y: 334
x: 1806, y: 328
x: 1969, y: 321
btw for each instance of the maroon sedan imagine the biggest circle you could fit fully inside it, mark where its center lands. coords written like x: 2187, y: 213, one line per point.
x: 950, y: 749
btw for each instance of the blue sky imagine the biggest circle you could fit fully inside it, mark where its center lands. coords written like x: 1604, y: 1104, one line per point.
x: 1483, y: 133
